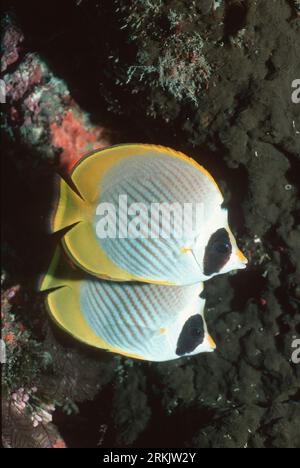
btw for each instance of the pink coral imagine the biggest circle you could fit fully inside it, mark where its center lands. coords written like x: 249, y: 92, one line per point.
x: 59, y: 443
x: 41, y: 109
x: 75, y: 137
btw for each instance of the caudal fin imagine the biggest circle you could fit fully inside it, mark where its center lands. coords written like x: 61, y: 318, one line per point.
x: 60, y: 273
x: 68, y: 207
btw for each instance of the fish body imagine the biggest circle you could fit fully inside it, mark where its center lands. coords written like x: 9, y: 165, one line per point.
x: 129, y: 187
x: 142, y: 321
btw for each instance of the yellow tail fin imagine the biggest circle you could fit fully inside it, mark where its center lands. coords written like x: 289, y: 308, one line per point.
x: 60, y: 273
x: 69, y: 207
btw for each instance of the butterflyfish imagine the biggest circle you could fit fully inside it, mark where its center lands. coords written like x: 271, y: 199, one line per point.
x: 138, y: 320
x: 145, y: 213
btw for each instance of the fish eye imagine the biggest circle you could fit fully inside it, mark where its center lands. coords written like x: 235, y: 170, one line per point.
x: 222, y: 247
x: 191, y: 336
x: 196, y: 331
x: 217, y: 252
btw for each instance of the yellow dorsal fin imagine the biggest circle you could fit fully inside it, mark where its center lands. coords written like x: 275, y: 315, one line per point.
x: 89, y: 170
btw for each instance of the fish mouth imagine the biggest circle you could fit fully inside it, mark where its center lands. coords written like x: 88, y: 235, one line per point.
x: 241, y: 258
x: 238, y: 261
x: 211, y: 343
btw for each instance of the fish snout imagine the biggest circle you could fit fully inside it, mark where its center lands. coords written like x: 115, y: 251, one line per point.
x: 210, y: 342
x: 240, y: 260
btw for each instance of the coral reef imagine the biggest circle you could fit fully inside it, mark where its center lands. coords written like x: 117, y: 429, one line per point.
x: 177, y: 64
x: 41, y: 112
x: 20, y: 432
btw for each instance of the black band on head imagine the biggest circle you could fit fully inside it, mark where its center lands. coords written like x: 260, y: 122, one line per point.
x: 217, y: 253
x: 191, y: 336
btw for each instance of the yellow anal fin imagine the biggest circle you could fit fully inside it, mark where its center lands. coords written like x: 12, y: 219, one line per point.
x: 64, y: 308
x: 82, y: 247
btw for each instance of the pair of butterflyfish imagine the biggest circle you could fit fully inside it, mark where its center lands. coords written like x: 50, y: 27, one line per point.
x: 121, y: 279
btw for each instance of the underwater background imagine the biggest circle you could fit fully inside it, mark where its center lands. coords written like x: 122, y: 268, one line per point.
x: 213, y: 79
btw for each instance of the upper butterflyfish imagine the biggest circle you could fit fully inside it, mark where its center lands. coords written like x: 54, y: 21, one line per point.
x: 145, y: 213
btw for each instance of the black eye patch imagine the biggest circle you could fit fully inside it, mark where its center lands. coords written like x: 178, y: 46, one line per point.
x: 191, y: 336
x: 217, y: 253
